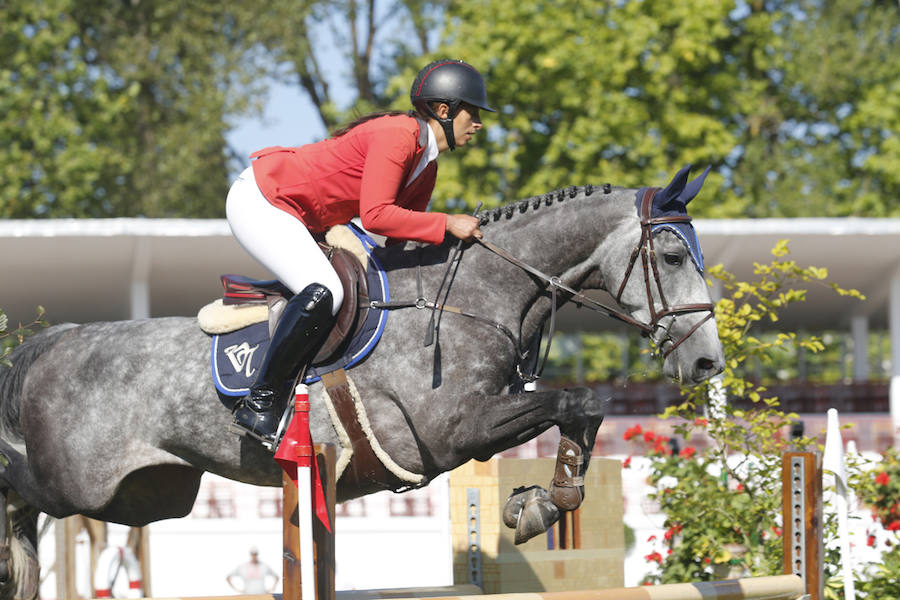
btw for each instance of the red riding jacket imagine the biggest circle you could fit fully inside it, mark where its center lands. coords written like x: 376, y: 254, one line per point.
x: 361, y: 173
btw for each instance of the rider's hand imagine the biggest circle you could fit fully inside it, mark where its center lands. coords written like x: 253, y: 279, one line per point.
x: 464, y: 227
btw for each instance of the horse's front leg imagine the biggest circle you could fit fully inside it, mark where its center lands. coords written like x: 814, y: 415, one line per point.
x: 506, y: 421
x: 498, y: 422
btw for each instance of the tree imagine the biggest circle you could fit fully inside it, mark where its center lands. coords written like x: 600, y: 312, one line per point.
x: 373, y: 40
x: 794, y: 103
x: 122, y: 109
x: 119, y: 109
x: 55, y: 115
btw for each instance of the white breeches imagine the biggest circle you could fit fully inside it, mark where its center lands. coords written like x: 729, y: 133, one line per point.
x: 278, y: 240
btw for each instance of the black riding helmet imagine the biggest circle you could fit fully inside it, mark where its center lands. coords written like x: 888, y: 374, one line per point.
x: 452, y: 82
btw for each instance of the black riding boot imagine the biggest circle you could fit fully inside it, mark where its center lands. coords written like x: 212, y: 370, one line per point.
x: 300, y: 333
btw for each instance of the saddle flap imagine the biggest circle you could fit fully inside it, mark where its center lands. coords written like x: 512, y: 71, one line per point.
x: 354, y: 308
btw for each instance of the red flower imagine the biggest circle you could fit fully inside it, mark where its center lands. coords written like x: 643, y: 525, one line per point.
x: 626, y: 463
x: 649, y: 436
x: 707, y: 560
x: 687, y: 452
x: 632, y: 432
x: 654, y: 557
x: 894, y: 526
x: 701, y: 422
x: 739, y: 488
x: 776, y: 530
x: 870, y: 541
x: 882, y: 478
x: 671, y: 531
x: 651, y: 538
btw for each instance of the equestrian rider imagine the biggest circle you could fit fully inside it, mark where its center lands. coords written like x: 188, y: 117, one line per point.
x: 381, y: 168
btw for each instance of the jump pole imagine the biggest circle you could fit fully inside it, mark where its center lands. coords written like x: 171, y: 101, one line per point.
x: 777, y: 587
x: 320, y: 560
x: 802, y: 566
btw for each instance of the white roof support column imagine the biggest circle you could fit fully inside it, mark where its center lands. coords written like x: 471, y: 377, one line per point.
x: 894, y: 324
x: 859, y: 329
x: 140, y: 279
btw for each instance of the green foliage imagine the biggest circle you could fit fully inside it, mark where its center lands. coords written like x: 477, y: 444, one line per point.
x: 721, y: 493
x: 11, y: 339
x: 626, y: 91
x: 119, y: 109
x: 880, y: 490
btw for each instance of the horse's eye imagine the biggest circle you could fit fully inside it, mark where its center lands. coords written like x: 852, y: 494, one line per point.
x: 672, y: 259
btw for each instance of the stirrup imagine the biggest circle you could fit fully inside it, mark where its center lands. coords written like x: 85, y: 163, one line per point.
x: 244, y: 432
x: 286, y: 416
x: 269, y: 444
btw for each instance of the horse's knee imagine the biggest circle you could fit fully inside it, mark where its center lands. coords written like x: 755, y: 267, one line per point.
x: 580, y: 409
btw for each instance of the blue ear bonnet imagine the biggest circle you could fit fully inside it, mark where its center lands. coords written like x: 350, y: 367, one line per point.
x: 672, y: 200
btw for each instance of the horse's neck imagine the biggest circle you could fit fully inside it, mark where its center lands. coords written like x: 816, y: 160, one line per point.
x: 560, y: 239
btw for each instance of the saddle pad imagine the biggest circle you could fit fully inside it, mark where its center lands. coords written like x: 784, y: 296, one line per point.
x: 236, y: 356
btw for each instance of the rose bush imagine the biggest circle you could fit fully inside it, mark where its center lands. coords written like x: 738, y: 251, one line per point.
x: 721, y: 490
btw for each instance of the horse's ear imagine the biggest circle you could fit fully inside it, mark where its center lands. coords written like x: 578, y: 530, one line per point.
x: 674, y: 189
x: 693, y: 188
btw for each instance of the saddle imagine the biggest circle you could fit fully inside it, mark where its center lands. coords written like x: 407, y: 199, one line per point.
x: 245, y: 291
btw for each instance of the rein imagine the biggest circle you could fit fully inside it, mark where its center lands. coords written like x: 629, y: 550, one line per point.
x: 644, y: 249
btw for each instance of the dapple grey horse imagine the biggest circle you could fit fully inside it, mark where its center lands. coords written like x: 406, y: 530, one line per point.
x: 119, y: 420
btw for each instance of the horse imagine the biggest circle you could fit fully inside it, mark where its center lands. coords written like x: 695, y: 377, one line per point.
x: 117, y: 421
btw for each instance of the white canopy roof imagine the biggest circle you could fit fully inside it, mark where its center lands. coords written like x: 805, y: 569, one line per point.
x: 102, y: 269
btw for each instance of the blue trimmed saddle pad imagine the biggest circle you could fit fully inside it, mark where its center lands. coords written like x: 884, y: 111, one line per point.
x: 236, y: 355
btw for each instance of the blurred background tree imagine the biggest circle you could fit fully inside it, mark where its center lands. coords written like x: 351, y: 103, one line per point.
x: 766, y: 92
x: 123, y: 109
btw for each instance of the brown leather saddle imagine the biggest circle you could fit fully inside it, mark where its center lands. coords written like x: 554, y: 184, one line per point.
x: 245, y: 290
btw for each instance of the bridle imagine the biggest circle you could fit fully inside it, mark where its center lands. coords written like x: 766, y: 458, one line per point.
x: 647, y: 253
x: 648, y: 260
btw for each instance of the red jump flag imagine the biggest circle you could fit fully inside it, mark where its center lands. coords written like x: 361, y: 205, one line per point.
x: 296, y: 450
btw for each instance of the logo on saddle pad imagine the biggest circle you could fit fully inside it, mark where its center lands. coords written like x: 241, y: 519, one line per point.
x: 241, y: 357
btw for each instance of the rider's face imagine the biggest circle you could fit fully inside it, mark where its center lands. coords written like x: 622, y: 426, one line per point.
x: 466, y: 123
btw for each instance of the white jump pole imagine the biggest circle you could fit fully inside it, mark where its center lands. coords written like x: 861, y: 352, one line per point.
x: 304, y: 495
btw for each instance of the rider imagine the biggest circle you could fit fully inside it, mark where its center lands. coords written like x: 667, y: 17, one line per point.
x: 381, y: 168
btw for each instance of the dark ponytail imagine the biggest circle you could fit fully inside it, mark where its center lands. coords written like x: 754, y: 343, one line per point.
x: 365, y: 118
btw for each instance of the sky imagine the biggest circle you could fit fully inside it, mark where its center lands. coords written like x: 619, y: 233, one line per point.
x: 289, y: 119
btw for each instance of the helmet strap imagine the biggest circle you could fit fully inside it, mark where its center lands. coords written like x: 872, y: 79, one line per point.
x: 446, y: 124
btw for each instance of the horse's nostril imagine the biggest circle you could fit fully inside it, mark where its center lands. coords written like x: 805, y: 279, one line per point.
x: 705, y: 364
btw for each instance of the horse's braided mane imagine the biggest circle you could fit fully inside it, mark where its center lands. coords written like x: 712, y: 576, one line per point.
x: 535, y: 202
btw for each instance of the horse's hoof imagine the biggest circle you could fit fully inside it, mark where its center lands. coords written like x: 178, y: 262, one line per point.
x: 515, y: 502
x: 536, y: 517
